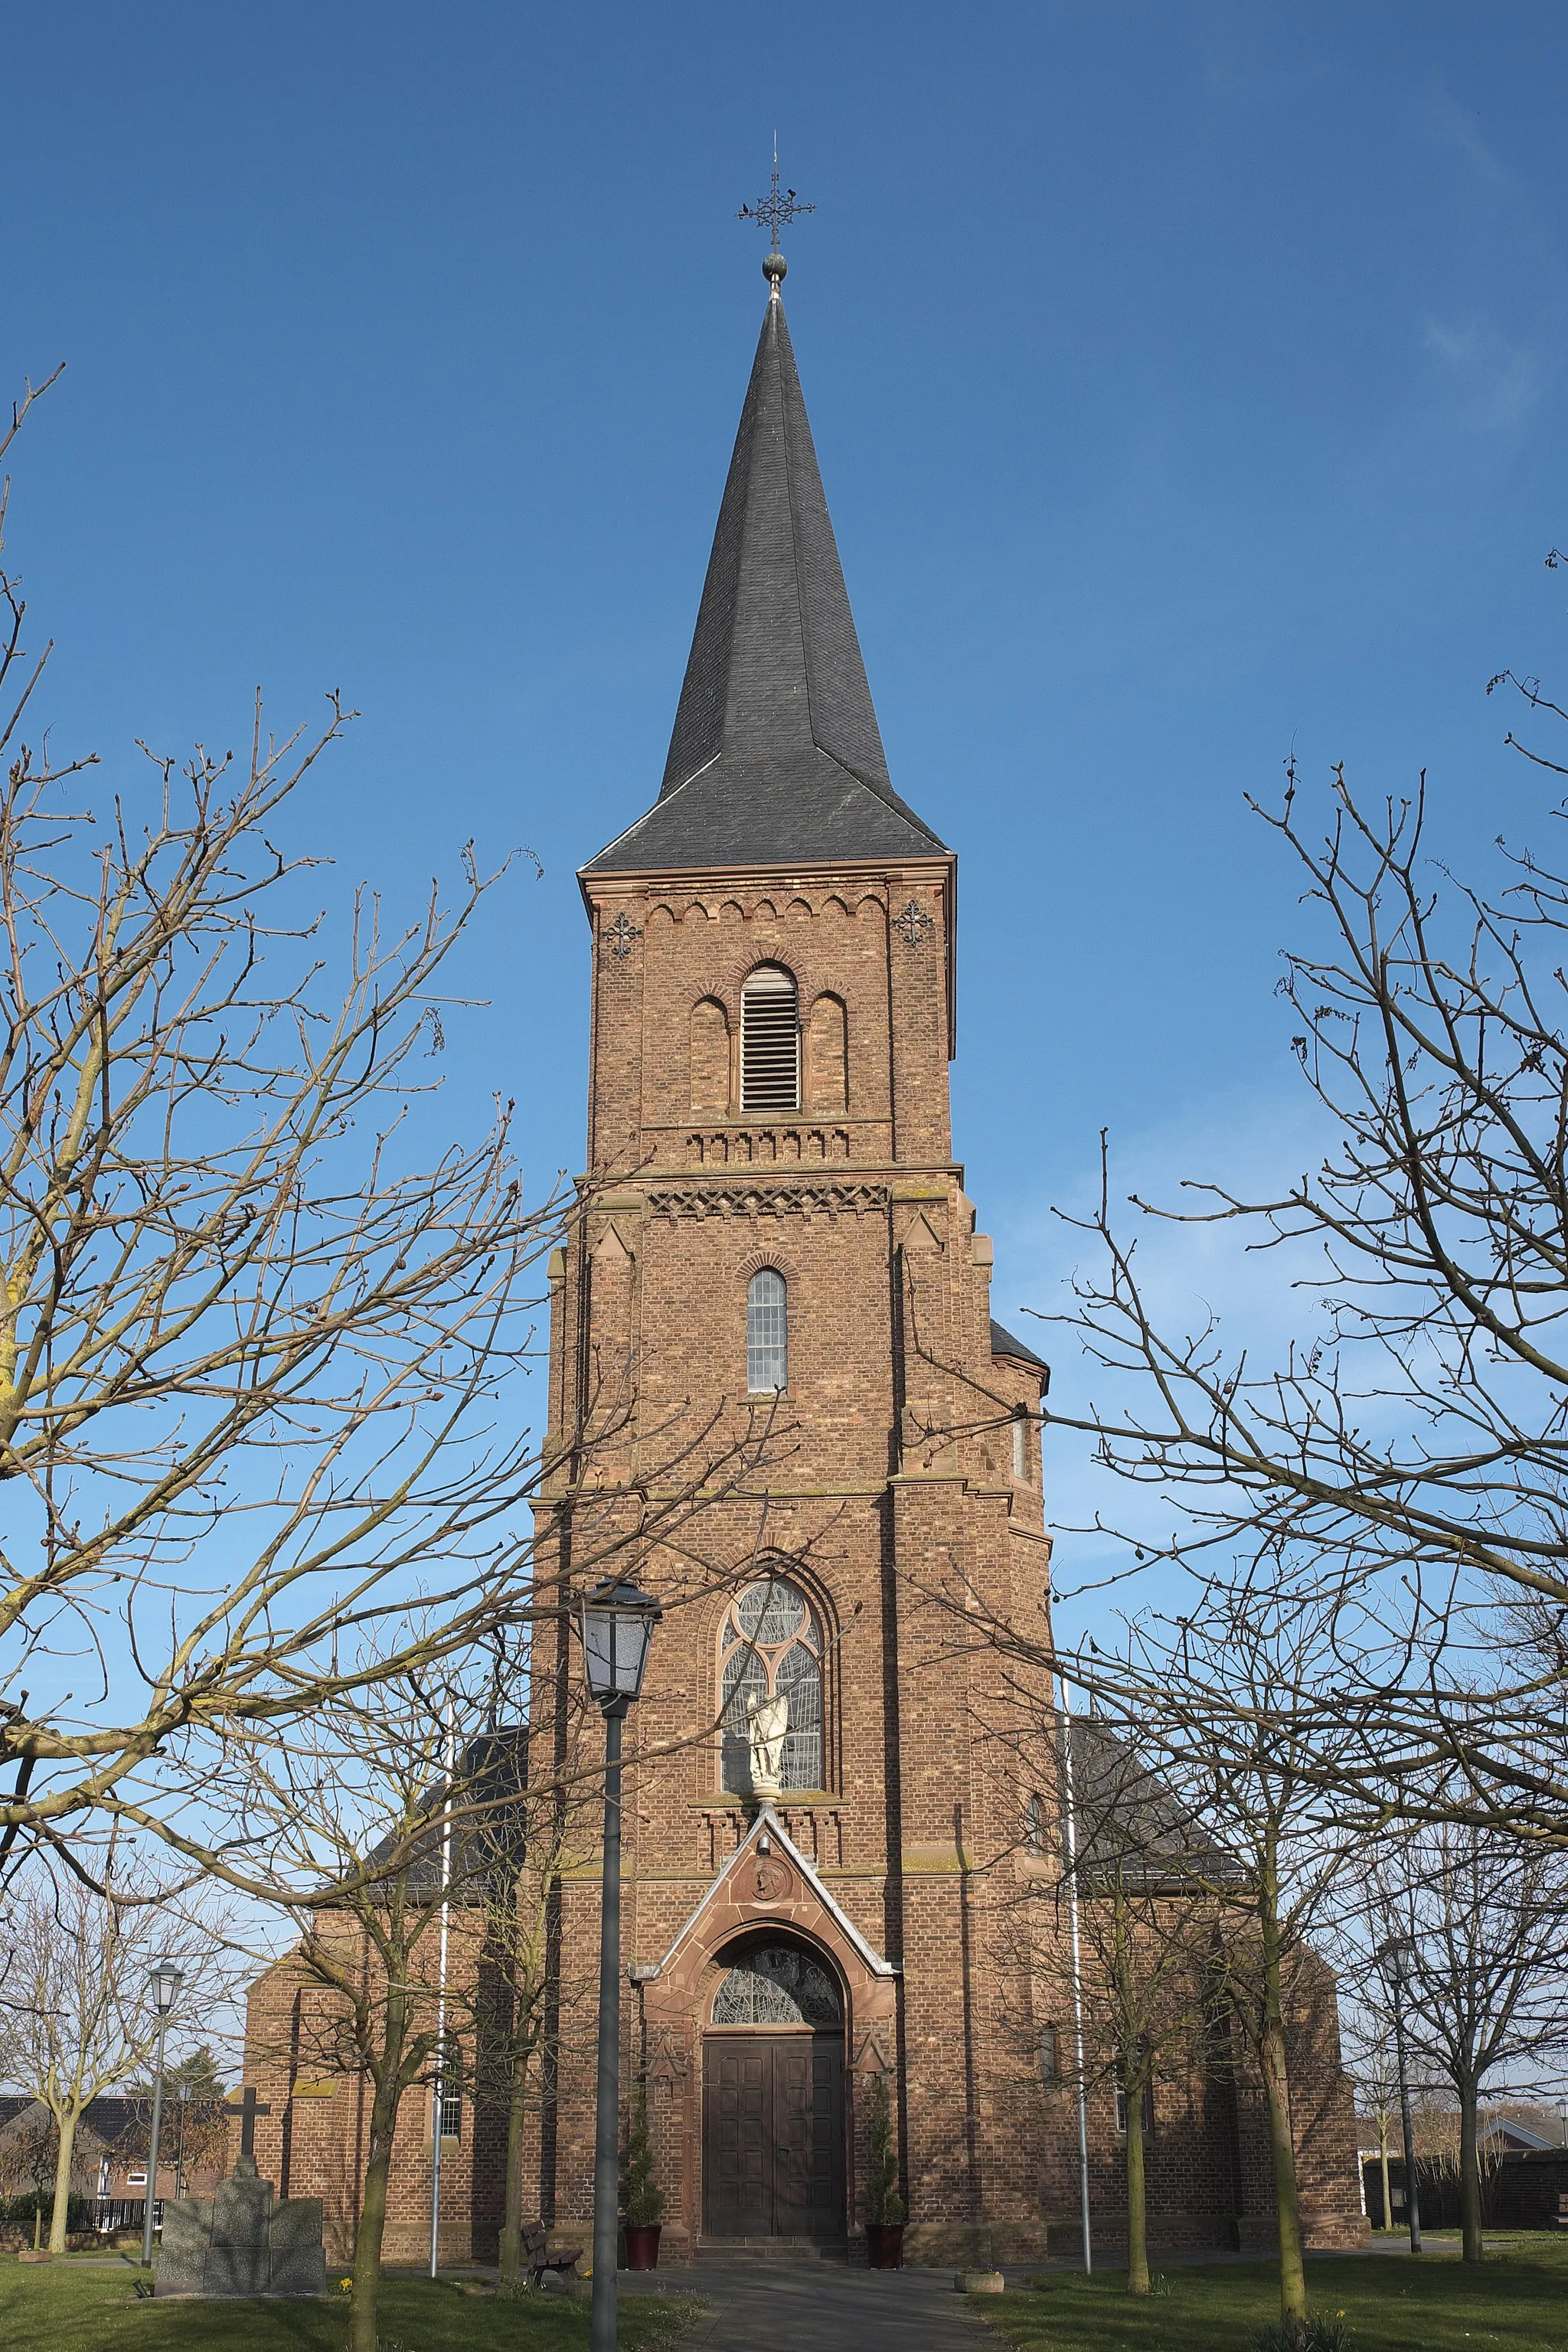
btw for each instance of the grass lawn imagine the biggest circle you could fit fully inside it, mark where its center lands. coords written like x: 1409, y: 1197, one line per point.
x: 79, y: 2306
x: 1517, y: 2298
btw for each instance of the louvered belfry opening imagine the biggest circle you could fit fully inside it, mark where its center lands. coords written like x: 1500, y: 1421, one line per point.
x: 770, y: 1041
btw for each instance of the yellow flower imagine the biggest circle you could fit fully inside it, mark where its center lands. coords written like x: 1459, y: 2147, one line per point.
x: 345, y: 2286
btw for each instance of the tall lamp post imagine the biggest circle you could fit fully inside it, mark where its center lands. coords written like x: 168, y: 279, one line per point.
x: 1393, y: 1955
x: 617, y: 1622
x: 164, y: 1982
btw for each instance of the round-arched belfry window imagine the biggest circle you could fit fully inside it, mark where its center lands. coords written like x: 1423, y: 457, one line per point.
x: 777, y: 1985
x: 771, y: 1647
x: 770, y: 1040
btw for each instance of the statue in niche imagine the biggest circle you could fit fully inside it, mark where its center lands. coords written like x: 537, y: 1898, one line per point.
x: 767, y: 1720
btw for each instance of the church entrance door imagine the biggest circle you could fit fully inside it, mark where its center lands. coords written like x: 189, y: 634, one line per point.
x: 772, y: 2101
x: 774, y: 2136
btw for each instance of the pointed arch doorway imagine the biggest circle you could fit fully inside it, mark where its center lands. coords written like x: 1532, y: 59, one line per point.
x: 773, y: 2095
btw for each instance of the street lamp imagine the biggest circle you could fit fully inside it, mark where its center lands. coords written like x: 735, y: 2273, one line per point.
x: 616, y: 1624
x: 1392, y: 1957
x: 164, y: 1982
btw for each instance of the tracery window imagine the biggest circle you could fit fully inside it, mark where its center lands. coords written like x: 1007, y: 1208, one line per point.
x: 767, y: 1332
x: 779, y: 1985
x: 771, y: 1646
x: 770, y: 1040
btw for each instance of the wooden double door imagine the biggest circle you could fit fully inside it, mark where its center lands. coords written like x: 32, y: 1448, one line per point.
x: 773, y: 2135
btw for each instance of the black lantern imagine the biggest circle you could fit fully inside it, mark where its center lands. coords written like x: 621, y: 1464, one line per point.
x: 616, y: 1624
x: 164, y: 1982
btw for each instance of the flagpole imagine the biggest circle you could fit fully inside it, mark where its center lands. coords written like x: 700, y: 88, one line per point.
x: 1077, y: 1973
x: 439, y: 2114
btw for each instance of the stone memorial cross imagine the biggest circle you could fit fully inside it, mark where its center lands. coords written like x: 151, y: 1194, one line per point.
x: 250, y: 2107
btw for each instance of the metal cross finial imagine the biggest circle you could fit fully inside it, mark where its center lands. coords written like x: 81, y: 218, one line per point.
x: 772, y: 212
x: 618, y: 936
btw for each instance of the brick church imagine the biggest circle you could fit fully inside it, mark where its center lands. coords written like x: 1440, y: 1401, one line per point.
x: 777, y: 1234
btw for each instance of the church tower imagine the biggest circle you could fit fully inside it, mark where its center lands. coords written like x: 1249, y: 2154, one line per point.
x: 777, y: 1262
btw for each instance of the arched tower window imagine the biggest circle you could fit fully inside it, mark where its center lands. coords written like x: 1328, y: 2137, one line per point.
x: 767, y: 1332
x: 772, y: 1648
x: 770, y: 1041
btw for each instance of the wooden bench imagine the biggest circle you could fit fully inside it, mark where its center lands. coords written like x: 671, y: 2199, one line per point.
x: 538, y: 2258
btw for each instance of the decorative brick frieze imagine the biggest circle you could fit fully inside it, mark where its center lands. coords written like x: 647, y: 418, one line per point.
x: 753, y: 1200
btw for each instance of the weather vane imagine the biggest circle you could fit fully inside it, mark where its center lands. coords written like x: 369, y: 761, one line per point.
x: 772, y: 212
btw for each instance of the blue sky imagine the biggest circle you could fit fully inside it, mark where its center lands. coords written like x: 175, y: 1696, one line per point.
x: 1188, y: 383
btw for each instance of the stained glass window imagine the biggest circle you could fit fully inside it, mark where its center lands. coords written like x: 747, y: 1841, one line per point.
x: 771, y: 1646
x: 779, y: 1985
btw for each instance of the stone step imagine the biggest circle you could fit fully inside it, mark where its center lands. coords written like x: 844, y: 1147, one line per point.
x: 720, y: 2250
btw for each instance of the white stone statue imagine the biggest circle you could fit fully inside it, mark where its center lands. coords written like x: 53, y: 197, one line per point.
x: 767, y: 1720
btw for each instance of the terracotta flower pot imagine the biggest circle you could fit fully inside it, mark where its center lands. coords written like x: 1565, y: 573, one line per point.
x: 642, y: 2245
x: 885, y: 2245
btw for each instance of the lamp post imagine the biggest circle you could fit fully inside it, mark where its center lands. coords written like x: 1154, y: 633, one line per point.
x: 616, y: 1624
x: 164, y: 1982
x: 1393, y: 1955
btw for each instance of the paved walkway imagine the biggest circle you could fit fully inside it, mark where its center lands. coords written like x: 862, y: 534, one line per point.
x: 821, y: 2308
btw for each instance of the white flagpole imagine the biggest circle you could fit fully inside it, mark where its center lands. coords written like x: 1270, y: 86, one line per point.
x: 436, y: 2118
x: 1077, y: 1972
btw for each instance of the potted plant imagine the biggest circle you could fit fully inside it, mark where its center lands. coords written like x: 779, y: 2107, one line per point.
x: 884, y: 2206
x: 645, y: 2197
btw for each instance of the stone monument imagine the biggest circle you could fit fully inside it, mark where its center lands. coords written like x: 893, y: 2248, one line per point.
x: 241, y: 2240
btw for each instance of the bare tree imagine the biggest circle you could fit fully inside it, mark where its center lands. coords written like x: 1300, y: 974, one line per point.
x: 358, y: 1833
x: 250, y: 1347
x: 1148, y: 1931
x: 1480, y: 1926
x: 1218, y: 1711
x: 78, y: 2012
x: 28, y: 2158
x: 1408, y: 1454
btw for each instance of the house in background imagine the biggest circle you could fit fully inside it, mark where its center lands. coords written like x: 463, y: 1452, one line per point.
x: 109, y: 2160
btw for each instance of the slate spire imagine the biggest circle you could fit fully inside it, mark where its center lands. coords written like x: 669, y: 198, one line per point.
x: 776, y: 757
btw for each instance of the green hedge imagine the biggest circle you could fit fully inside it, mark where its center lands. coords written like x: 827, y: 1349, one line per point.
x: 18, y: 2212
